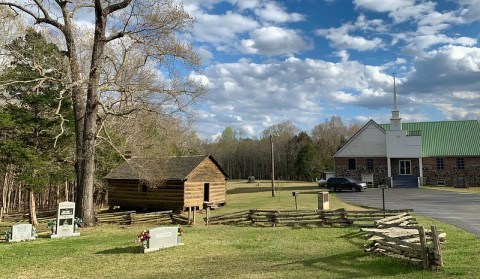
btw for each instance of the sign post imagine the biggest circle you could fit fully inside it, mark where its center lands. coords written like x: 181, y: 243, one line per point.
x: 295, y: 194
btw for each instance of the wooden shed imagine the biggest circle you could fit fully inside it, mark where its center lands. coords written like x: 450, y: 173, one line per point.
x: 175, y: 183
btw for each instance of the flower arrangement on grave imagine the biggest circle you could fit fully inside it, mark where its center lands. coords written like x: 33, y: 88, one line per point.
x: 52, y: 225
x: 8, y: 235
x: 143, y: 237
x: 78, y: 222
x: 180, y: 231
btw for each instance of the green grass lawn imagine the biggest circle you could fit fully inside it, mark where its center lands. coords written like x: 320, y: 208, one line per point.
x: 110, y: 251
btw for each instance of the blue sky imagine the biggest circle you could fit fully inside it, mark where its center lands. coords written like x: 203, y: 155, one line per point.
x: 268, y: 61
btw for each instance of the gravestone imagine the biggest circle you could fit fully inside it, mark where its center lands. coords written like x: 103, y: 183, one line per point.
x: 65, y: 224
x: 21, y: 232
x: 162, y: 237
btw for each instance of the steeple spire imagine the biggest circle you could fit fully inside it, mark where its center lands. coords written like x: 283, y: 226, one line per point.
x: 395, y: 120
x: 395, y: 108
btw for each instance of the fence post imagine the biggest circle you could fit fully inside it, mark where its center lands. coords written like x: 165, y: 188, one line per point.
x: 423, y: 244
x: 437, y: 252
x: 189, y: 215
x: 208, y: 215
x: 131, y: 217
x: 194, y: 214
x: 1, y: 214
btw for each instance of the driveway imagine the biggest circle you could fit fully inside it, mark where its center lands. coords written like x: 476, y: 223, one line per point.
x: 459, y: 209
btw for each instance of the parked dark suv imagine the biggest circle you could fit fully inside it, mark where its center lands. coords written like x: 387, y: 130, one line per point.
x: 342, y: 183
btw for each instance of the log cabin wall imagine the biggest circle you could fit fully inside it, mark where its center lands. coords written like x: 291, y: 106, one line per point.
x: 133, y: 194
x: 205, y: 172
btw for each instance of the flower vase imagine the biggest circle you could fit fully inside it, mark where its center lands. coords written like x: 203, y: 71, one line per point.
x: 179, y: 239
x: 145, y: 244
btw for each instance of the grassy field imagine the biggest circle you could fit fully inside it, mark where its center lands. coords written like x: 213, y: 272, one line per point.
x: 233, y: 252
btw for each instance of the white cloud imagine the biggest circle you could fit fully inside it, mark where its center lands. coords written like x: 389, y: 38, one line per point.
x: 294, y: 89
x: 221, y: 28
x: 271, y: 11
x: 398, y: 10
x: 340, y: 39
x: 383, y: 5
x: 467, y: 95
x: 274, y: 41
x: 470, y: 10
x: 204, y: 54
x: 447, y: 78
x: 365, y: 24
x: 343, y: 54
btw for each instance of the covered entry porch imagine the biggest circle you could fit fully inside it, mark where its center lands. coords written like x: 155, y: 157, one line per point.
x: 405, y: 172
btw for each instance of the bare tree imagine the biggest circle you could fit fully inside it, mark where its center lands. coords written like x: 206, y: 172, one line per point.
x: 144, y: 35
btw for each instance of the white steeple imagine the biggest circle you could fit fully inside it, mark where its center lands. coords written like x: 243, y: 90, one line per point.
x: 395, y: 120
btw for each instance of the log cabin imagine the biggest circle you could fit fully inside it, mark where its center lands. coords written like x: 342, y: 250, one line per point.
x: 169, y: 183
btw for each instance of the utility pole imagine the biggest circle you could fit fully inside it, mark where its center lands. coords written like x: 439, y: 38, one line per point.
x: 273, y: 167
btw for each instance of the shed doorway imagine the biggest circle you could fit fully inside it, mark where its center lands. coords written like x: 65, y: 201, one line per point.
x: 206, y: 192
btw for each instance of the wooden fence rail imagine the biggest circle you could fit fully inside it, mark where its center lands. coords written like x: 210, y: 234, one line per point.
x: 274, y: 218
x: 121, y: 218
x: 407, y: 241
x: 131, y: 217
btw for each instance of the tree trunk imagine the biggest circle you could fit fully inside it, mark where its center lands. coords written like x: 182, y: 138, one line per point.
x: 66, y: 191
x: 90, y: 125
x: 32, y: 210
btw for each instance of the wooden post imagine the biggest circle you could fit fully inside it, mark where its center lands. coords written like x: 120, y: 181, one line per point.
x: 273, y: 167
x: 194, y: 214
x: 437, y: 252
x: 1, y: 214
x: 189, y: 215
x: 423, y: 244
x: 208, y: 215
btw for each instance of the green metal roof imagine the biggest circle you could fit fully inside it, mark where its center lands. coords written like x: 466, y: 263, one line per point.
x: 446, y: 138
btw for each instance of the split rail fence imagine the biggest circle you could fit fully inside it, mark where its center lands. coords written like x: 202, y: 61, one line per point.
x: 393, y: 237
x: 341, y: 217
x: 131, y: 217
x: 121, y: 217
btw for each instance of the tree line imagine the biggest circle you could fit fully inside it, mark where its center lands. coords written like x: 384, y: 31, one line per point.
x: 298, y: 155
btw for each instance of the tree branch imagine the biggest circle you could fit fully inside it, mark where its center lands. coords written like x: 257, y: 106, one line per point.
x: 46, y: 19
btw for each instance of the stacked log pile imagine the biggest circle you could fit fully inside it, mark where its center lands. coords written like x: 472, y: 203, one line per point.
x: 400, y: 237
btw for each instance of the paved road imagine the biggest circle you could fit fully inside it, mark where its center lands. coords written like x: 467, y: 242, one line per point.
x: 459, y: 209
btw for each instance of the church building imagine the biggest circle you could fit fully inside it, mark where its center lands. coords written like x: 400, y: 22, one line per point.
x: 413, y: 154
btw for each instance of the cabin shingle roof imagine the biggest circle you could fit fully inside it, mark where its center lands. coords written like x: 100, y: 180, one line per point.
x: 165, y: 168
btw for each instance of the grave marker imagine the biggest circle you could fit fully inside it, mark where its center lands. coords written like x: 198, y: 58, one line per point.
x: 21, y: 232
x: 65, y: 223
x: 163, y: 237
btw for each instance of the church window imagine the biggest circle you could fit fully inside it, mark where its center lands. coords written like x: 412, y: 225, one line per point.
x: 370, y: 165
x: 351, y: 164
x: 440, y: 164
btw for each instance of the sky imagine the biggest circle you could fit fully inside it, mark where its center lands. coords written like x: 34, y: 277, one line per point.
x: 303, y: 61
